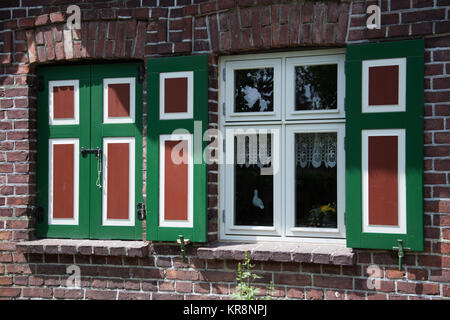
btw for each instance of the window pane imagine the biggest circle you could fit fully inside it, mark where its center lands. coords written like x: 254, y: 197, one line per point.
x: 316, y: 87
x: 253, y: 192
x: 253, y: 90
x: 316, y: 180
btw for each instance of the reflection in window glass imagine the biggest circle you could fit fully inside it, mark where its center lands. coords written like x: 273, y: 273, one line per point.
x: 253, y: 90
x: 253, y: 192
x: 316, y: 180
x: 316, y: 87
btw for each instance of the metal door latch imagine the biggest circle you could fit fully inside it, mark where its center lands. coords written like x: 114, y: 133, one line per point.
x: 183, y: 243
x: 141, y: 212
x: 401, y: 253
x: 97, y: 151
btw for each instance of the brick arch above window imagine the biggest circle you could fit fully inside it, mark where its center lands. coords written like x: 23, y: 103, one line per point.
x: 51, y: 40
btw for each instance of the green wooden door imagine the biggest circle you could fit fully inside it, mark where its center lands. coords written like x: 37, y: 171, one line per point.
x: 90, y: 194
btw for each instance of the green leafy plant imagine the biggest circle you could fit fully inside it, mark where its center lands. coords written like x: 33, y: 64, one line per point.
x: 244, y: 278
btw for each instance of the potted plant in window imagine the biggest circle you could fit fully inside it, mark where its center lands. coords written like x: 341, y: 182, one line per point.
x: 323, y: 216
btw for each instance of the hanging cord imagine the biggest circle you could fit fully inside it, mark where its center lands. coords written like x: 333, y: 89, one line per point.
x: 98, y: 183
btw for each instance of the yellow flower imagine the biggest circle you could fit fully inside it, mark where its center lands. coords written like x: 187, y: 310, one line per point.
x: 327, y: 208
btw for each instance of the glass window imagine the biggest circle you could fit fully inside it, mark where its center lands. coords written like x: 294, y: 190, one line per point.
x: 253, y: 90
x: 302, y: 193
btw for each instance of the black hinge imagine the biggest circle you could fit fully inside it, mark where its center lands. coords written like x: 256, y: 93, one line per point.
x: 37, y: 81
x: 36, y: 212
x: 141, y: 73
x: 141, y: 212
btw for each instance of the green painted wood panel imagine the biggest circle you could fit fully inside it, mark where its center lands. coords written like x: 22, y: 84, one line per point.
x: 411, y: 120
x: 91, y: 132
x: 157, y: 127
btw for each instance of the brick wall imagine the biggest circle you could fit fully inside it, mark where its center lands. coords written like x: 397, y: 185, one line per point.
x: 32, y: 33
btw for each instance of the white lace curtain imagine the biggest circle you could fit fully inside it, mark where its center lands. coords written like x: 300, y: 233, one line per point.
x: 311, y: 150
x: 315, y: 149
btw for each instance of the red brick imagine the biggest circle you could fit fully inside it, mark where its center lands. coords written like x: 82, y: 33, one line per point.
x: 42, y: 20
x: 183, y: 286
x: 332, y: 282
x: 314, y: 294
x: 68, y: 293
x: 423, y: 15
x: 441, y: 220
x: 216, y: 276
x: 57, y: 17
x: 394, y: 274
x: 438, y: 151
x: 25, y: 23
x: 166, y: 286
x: 297, y: 293
x: 201, y: 287
x: 5, y: 281
x: 292, y: 279
x: 441, y: 55
x: 37, y: 292
x: 9, y: 292
x: 418, y: 288
x: 442, y: 164
x: 167, y: 296
x: 441, y: 83
x: 219, y: 288
x: 100, y: 295
x: 182, y: 275
x: 133, y: 296
x: 431, y: 261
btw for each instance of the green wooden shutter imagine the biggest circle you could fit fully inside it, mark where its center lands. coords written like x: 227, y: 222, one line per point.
x: 177, y: 100
x: 384, y: 144
x: 116, y: 134
x: 71, y: 216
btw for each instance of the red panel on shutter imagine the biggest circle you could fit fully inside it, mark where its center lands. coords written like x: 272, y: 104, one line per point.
x: 119, y: 100
x: 175, y: 95
x: 383, y: 180
x: 63, y: 181
x: 63, y: 102
x: 175, y: 183
x: 118, y: 180
x: 383, y: 85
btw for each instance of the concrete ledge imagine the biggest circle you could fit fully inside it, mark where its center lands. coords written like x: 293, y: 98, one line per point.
x: 86, y: 247
x: 280, y: 252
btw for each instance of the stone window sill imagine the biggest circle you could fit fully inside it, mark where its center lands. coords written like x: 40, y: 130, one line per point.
x: 280, y: 252
x: 86, y: 247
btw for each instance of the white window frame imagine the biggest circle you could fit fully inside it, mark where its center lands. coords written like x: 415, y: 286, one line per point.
x: 401, y: 106
x: 76, y: 102
x: 286, y: 122
x: 291, y: 130
x: 231, y: 66
x: 231, y: 228
x: 190, y: 95
x: 189, y: 223
x: 76, y: 181
x: 401, y: 154
x: 291, y: 63
x: 114, y: 120
x: 132, y: 182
